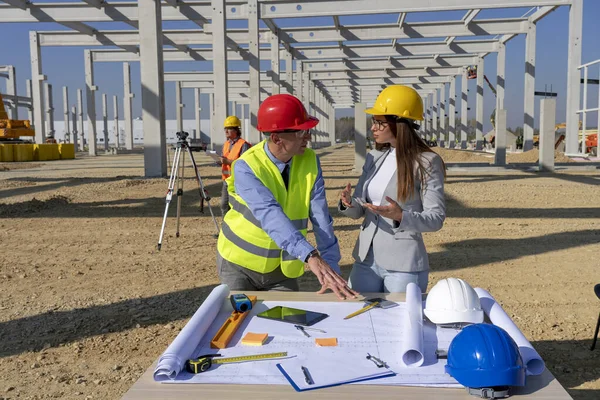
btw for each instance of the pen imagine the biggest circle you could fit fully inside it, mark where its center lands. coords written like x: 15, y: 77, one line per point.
x: 307, y: 377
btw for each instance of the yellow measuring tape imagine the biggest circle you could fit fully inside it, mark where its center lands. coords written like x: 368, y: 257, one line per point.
x: 252, y: 357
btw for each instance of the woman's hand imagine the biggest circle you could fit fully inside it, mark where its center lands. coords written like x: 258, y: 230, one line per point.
x: 346, y: 196
x: 391, y: 211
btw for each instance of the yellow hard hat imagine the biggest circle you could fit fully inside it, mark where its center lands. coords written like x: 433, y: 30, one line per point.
x: 232, y: 121
x: 401, y: 101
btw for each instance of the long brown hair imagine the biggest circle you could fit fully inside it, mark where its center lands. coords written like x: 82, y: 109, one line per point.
x: 409, y: 147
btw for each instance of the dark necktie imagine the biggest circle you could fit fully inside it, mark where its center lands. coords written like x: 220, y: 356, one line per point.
x: 285, y: 174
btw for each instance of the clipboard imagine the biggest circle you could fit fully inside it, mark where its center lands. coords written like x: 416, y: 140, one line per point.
x: 213, y: 154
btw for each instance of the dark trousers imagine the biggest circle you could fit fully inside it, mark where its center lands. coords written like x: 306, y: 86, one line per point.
x: 240, y: 278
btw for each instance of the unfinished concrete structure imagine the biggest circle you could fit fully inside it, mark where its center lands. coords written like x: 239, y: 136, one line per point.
x: 324, y: 76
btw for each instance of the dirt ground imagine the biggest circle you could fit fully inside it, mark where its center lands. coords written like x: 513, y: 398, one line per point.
x: 87, y: 303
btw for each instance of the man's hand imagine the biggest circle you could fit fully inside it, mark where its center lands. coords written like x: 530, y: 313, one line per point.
x: 329, y: 279
x: 225, y: 161
x: 346, y: 196
x: 391, y: 211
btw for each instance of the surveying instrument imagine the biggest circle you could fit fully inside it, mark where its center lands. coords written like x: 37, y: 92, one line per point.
x: 177, y: 178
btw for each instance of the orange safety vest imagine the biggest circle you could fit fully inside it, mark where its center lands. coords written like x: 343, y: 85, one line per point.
x: 232, y: 153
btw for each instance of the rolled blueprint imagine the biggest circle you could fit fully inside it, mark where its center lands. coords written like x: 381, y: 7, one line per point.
x: 172, y: 361
x: 412, y: 343
x: 532, y: 360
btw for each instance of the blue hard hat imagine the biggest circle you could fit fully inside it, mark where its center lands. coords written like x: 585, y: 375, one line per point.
x: 483, y: 356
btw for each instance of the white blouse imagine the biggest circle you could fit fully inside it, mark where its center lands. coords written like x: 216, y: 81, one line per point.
x: 381, y: 179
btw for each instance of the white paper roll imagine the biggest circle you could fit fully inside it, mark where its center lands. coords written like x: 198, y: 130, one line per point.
x: 412, y: 343
x: 172, y: 361
x: 532, y: 360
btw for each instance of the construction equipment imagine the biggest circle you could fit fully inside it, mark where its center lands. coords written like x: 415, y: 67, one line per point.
x: 13, y: 129
x: 229, y: 328
x: 591, y: 143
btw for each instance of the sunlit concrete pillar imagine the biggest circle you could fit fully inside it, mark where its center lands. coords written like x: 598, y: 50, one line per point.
x: 219, y: 71
x: 116, y: 120
x: 547, y: 136
x: 105, y: 120
x: 289, y: 71
x: 127, y: 106
x: 81, y: 129
x: 74, y: 128
x: 90, y: 101
x: 30, y: 116
x: 479, y: 105
x: 452, y: 114
x: 178, y: 106
x: 275, y: 63
x: 197, y: 117
x: 360, y: 136
x: 434, y: 119
x: 37, y: 92
x: 574, y: 76
x: 66, y: 115
x: 443, y: 111
x: 254, y: 53
x: 529, y: 91
x: 153, y: 96
x: 49, y: 100
x: 500, y: 155
x: 11, y: 89
x: 464, y: 105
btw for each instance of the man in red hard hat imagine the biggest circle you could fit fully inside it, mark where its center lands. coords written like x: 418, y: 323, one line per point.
x: 274, y: 189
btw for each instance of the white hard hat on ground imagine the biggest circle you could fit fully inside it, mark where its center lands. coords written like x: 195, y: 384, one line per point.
x: 453, y: 301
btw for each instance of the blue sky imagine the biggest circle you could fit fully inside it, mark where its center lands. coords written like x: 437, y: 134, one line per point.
x: 64, y: 65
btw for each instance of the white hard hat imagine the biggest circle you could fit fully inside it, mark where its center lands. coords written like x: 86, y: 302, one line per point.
x: 453, y: 301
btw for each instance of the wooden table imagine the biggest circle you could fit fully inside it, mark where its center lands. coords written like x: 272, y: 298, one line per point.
x: 543, y: 387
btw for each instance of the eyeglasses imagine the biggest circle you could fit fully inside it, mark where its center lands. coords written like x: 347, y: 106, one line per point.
x: 299, y: 134
x: 381, y: 125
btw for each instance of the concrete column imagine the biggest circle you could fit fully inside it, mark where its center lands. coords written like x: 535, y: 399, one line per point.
x: 153, y: 96
x: 211, y: 105
x: 299, y: 92
x: 127, y: 106
x: 80, y: 129
x: 11, y: 89
x: 289, y: 71
x: 464, y: 113
x: 332, y: 124
x: 574, y: 76
x: 434, y: 119
x: 234, y: 108
x: 306, y: 90
x: 452, y: 114
x: 360, y: 136
x: 275, y: 64
x: 197, y: 117
x: 479, y: 105
x: 75, y: 134
x: 66, y: 114
x: 105, y: 120
x: 178, y: 106
x: 529, y: 91
x: 500, y: 155
x: 253, y: 51
x: 243, y: 119
x: 547, y: 122
x: 219, y: 71
x: 90, y: 97
x: 49, y: 111
x: 442, y: 130
x: 30, y: 116
x: 500, y: 76
x: 37, y: 93
x: 116, y: 119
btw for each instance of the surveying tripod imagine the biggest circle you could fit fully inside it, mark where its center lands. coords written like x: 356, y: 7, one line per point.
x: 177, y: 178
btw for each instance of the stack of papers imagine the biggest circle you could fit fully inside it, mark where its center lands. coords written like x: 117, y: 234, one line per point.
x: 326, y: 372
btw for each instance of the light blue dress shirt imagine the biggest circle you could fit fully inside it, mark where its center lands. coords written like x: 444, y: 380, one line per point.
x: 277, y: 225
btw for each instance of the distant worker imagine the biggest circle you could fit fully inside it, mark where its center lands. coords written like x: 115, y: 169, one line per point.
x: 274, y: 189
x: 400, y: 194
x: 234, y: 147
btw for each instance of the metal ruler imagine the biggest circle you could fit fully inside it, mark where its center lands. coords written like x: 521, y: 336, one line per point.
x: 252, y: 357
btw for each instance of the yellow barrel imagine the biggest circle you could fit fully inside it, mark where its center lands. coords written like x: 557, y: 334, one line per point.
x: 22, y: 152
x: 6, y: 152
x: 66, y: 151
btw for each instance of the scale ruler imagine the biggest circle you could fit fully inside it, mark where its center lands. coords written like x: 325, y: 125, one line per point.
x: 252, y: 357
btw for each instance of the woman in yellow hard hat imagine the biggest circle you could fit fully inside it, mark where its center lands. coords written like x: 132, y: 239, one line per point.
x: 400, y: 194
x: 234, y: 147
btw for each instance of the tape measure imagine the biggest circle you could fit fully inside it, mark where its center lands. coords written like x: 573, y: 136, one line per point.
x: 203, y: 363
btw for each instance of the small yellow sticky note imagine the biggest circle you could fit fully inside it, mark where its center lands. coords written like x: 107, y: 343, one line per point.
x: 254, y: 339
x: 326, y: 342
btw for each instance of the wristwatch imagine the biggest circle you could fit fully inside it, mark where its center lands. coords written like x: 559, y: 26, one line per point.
x: 313, y: 253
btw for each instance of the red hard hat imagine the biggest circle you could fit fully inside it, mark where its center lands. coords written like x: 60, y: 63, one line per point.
x: 284, y: 112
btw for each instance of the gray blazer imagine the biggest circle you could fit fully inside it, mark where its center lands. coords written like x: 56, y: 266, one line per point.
x: 399, y: 248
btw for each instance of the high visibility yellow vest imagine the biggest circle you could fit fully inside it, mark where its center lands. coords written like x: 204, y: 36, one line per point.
x: 242, y: 240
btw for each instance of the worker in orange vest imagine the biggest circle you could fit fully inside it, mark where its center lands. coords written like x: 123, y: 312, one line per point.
x: 234, y: 147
